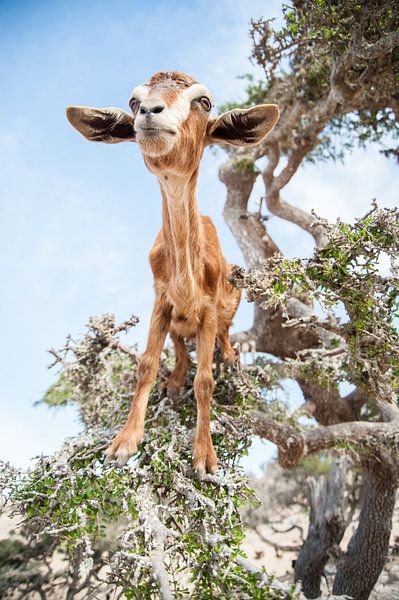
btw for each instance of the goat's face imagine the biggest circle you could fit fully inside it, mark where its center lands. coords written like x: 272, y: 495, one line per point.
x: 171, y: 122
x: 171, y: 113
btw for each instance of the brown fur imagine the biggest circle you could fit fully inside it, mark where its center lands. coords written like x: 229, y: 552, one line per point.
x: 172, y: 78
x: 193, y: 298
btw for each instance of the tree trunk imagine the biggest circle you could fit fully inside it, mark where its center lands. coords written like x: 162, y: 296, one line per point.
x: 359, y: 569
x: 326, y: 527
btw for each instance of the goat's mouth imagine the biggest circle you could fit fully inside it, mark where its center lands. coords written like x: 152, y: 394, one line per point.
x: 154, y: 131
x: 156, y: 141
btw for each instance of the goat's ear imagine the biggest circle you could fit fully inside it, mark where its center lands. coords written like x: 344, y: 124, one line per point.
x: 243, y: 126
x: 108, y: 125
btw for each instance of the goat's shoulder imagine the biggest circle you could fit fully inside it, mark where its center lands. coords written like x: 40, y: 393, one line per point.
x: 209, y: 228
x: 215, y: 266
x: 157, y: 258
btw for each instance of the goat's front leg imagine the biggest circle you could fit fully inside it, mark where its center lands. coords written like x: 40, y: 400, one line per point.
x: 204, y: 455
x: 126, y: 442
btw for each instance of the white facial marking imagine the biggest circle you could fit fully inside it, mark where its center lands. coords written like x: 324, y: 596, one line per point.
x: 140, y: 92
x: 180, y: 110
x: 196, y: 91
x: 170, y: 119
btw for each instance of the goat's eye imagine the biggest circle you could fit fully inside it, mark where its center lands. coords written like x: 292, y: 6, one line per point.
x: 205, y: 103
x: 134, y: 104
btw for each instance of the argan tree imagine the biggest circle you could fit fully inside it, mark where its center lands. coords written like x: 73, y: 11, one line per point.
x: 333, y: 69
x: 151, y: 529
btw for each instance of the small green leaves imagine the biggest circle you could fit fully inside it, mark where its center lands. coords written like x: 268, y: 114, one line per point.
x: 155, y: 504
x: 246, y: 165
x: 344, y: 275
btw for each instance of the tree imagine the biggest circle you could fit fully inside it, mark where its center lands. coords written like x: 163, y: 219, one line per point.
x: 176, y: 536
x: 363, y: 351
x: 332, y: 67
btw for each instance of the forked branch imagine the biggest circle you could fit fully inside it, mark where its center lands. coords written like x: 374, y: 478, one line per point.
x: 293, y: 445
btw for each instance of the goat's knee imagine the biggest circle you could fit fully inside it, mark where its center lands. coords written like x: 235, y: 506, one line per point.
x: 203, y: 387
x: 147, y: 369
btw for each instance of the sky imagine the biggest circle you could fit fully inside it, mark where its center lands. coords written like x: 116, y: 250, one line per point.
x: 77, y: 220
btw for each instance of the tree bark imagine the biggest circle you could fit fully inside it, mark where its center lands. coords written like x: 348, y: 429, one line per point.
x: 364, y: 64
x: 248, y: 229
x: 326, y: 527
x: 359, y: 569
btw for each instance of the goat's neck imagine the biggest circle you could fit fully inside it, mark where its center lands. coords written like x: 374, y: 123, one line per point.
x: 182, y: 227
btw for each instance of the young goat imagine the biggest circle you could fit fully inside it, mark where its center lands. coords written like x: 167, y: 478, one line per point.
x: 171, y: 122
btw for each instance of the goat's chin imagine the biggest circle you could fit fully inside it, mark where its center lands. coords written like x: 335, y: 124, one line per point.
x: 156, y: 145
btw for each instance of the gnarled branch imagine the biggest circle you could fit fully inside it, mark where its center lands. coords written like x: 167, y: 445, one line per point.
x: 295, y: 445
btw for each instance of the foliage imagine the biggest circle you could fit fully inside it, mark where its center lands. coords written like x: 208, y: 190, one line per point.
x: 323, y: 47
x: 174, y: 530
x: 364, y: 349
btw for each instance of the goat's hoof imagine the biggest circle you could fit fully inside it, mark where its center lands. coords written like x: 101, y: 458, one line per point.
x: 171, y: 389
x: 122, y: 448
x: 205, y: 462
x: 237, y: 350
x: 229, y: 358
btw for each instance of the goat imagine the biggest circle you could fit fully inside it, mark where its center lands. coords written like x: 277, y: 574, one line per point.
x: 172, y: 125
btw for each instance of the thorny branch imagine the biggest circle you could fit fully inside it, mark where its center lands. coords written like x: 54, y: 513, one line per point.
x: 161, y: 515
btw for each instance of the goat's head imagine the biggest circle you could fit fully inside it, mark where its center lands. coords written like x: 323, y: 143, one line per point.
x: 171, y: 122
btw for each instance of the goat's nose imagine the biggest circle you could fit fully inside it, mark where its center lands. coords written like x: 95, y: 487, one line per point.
x: 151, y: 110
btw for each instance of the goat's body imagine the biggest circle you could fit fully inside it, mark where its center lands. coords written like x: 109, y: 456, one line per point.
x: 211, y: 290
x: 196, y: 300
x: 193, y: 298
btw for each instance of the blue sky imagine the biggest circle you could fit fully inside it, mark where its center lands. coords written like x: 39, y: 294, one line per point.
x: 77, y: 219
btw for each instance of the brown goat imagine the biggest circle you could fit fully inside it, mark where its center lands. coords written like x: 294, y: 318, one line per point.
x: 171, y: 122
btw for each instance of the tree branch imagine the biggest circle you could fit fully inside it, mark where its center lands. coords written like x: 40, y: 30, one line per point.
x: 156, y: 532
x: 252, y: 237
x: 387, y: 43
x: 293, y: 445
x: 278, y: 547
x: 280, y: 207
